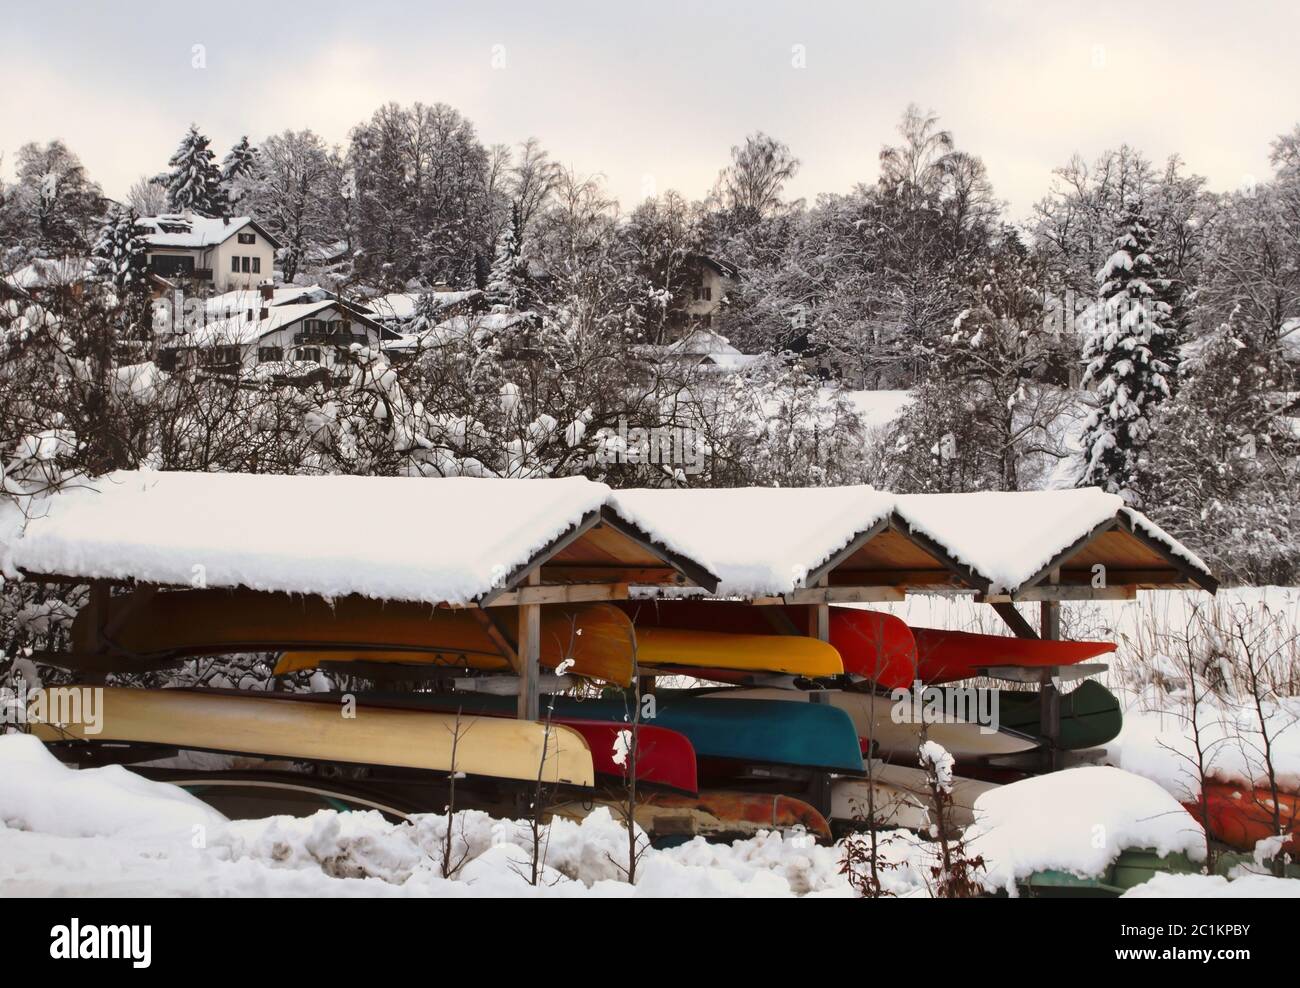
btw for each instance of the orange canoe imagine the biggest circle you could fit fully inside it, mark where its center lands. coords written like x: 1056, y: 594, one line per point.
x: 1241, y: 817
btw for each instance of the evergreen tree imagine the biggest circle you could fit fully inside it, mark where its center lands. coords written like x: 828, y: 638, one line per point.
x: 1128, y: 359
x: 122, y: 262
x: 238, y: 169
x: 506, y: 281
x: 195, y: 179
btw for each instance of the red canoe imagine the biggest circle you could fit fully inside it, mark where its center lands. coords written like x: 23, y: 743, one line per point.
x: 1241, y: 817
x: 947, y: 656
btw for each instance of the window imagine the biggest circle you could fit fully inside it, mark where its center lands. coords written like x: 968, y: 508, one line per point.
x: 257, y: 265
x: 270, y: 354
x: 172, y: 265
x: 311, y: 353
x: 222, y: 356
x: 245, y: 265
x: 704, y: 293
x: 247, y: 238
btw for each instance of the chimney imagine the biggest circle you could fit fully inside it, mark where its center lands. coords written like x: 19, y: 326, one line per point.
x: 268, y: 291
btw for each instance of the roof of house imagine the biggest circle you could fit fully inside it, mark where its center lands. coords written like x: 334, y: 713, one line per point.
x: 51, y: 272
x: 248, y: 326
x: 180, y: 230
x: 244, y: 300
x: 724, y: 268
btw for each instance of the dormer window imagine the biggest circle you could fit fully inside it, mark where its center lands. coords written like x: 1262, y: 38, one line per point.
x: 247, y: 238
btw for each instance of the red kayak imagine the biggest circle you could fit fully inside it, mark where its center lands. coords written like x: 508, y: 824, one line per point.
x: 947, y: 656
x: 1241, y: 817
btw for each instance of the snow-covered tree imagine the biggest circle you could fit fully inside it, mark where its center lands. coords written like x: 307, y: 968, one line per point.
x: 195, y: 179
x: 1128, y: 359
x: 507, y: 279
x: 120, y: 257
x: 238, y: 170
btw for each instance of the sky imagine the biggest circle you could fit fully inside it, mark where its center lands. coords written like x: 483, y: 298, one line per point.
x: 653, y: 96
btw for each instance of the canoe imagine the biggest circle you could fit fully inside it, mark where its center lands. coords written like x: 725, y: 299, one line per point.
x: 1132, y: 867
x: 750, y: 731
x: 714, y: 813
x: 873, y: 720
x: 870, y: 644
x: 665, y: 757
x: 1241, y: 817
x: 687, y: 650
x: 947, y: 656
x: 275, y: 727
x: 1090, y: 714
x: 902, y: 798
x: 207, y: 622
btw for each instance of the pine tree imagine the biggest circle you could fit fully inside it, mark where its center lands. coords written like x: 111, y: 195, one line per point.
x: 195, y: 179
x: 122, y: 262
x: 1129, y: 360
x: 238, y: 169
x: 506, y: 282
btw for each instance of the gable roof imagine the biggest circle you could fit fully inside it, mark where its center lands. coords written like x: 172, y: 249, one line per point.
x: 241, y: 329
x: 178, y: 230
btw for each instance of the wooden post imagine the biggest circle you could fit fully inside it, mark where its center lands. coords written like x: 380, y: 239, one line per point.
x: 1049, y: 714
x: 820, y: 622
x: 529, y: 650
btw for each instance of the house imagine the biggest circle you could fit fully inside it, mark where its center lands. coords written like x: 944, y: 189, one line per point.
x: 46, y: 277
x: 705, y: 349
x: 398, y: 310
x: 219, y: 254
x: 294, y: 334
x: 710, y: 281
x: 481, y: 326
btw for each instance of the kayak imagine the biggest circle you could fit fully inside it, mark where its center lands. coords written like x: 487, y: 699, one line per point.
x: 1241, y: 817
x: 1090, y: 714
x: 947, y: 656
x: 743, y: 730
x: 272, y: 726
x: 901, y: 798
x: 870, y: 643
x: 873, y: 645
x: 596, y: 637
x: 874, y: 720
x: 715, y: 813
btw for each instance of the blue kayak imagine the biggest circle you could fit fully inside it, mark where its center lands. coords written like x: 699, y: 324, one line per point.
x: 809, y: 735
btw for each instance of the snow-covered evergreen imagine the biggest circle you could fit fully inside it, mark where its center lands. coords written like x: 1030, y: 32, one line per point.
x: 195, y: 179
x: 121, y: 261
x: 1127, y: 358
x: 506, y: 279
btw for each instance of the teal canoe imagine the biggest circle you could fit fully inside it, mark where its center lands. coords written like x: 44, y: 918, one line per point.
x: 753, y: 731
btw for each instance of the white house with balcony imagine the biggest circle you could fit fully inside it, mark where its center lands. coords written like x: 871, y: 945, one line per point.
x: 218, y: 255
x: 282, y: 340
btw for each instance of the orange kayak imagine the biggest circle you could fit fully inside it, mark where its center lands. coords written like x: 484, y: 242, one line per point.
x: 1241, y: 817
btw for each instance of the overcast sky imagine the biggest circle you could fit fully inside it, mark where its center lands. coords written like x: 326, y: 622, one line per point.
x: 654, y: 99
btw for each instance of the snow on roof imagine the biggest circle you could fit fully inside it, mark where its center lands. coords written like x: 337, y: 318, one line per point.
x: 458, y: 328
x: 241, y: 300
x: 52, y: 272
x: 760, y: 541
x: 401, y: 306
x: 239, y: 329
x: 1008, y: 537
x: 300, y: 534
x: 180, y: 230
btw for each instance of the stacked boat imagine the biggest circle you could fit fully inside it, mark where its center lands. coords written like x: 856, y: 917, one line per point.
x: 791, y: 731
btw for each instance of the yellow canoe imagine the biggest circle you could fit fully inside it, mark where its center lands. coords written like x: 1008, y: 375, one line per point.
x: 279, y: 727
x: 794, y: 655
x: 597, y: 637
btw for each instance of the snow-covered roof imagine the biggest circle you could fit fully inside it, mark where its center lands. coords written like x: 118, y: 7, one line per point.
x: 400, y: 307
x: 158, y: 527
x: 760, y: 541
x: 1009, y: 537
x: 181, y: 230
x: 458, y: 328
x: 703, y: 346
x: 239, y: 329
x: 285, y: 533
x: 51, y: 272
x: 241, y: 300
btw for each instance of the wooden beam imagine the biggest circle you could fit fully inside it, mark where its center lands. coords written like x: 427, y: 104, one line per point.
x: 522, y: 573
x: 1068, y: 591
x: 1189, y: 572
x: 1014, y: 620
x: 842, y: 595
x: 1049, y: 713
x: 819, y: 622
x: 569, y: 593
x: 1057, y: 562
x: 529, y: 648
x: 963, y: 572
x: 641, y: 576
x: 817, y: 576
x: 694, y: 572
x: 499, y: 638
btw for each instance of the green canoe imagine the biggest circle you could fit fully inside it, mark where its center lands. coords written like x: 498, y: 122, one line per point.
x: 1090, y: 714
